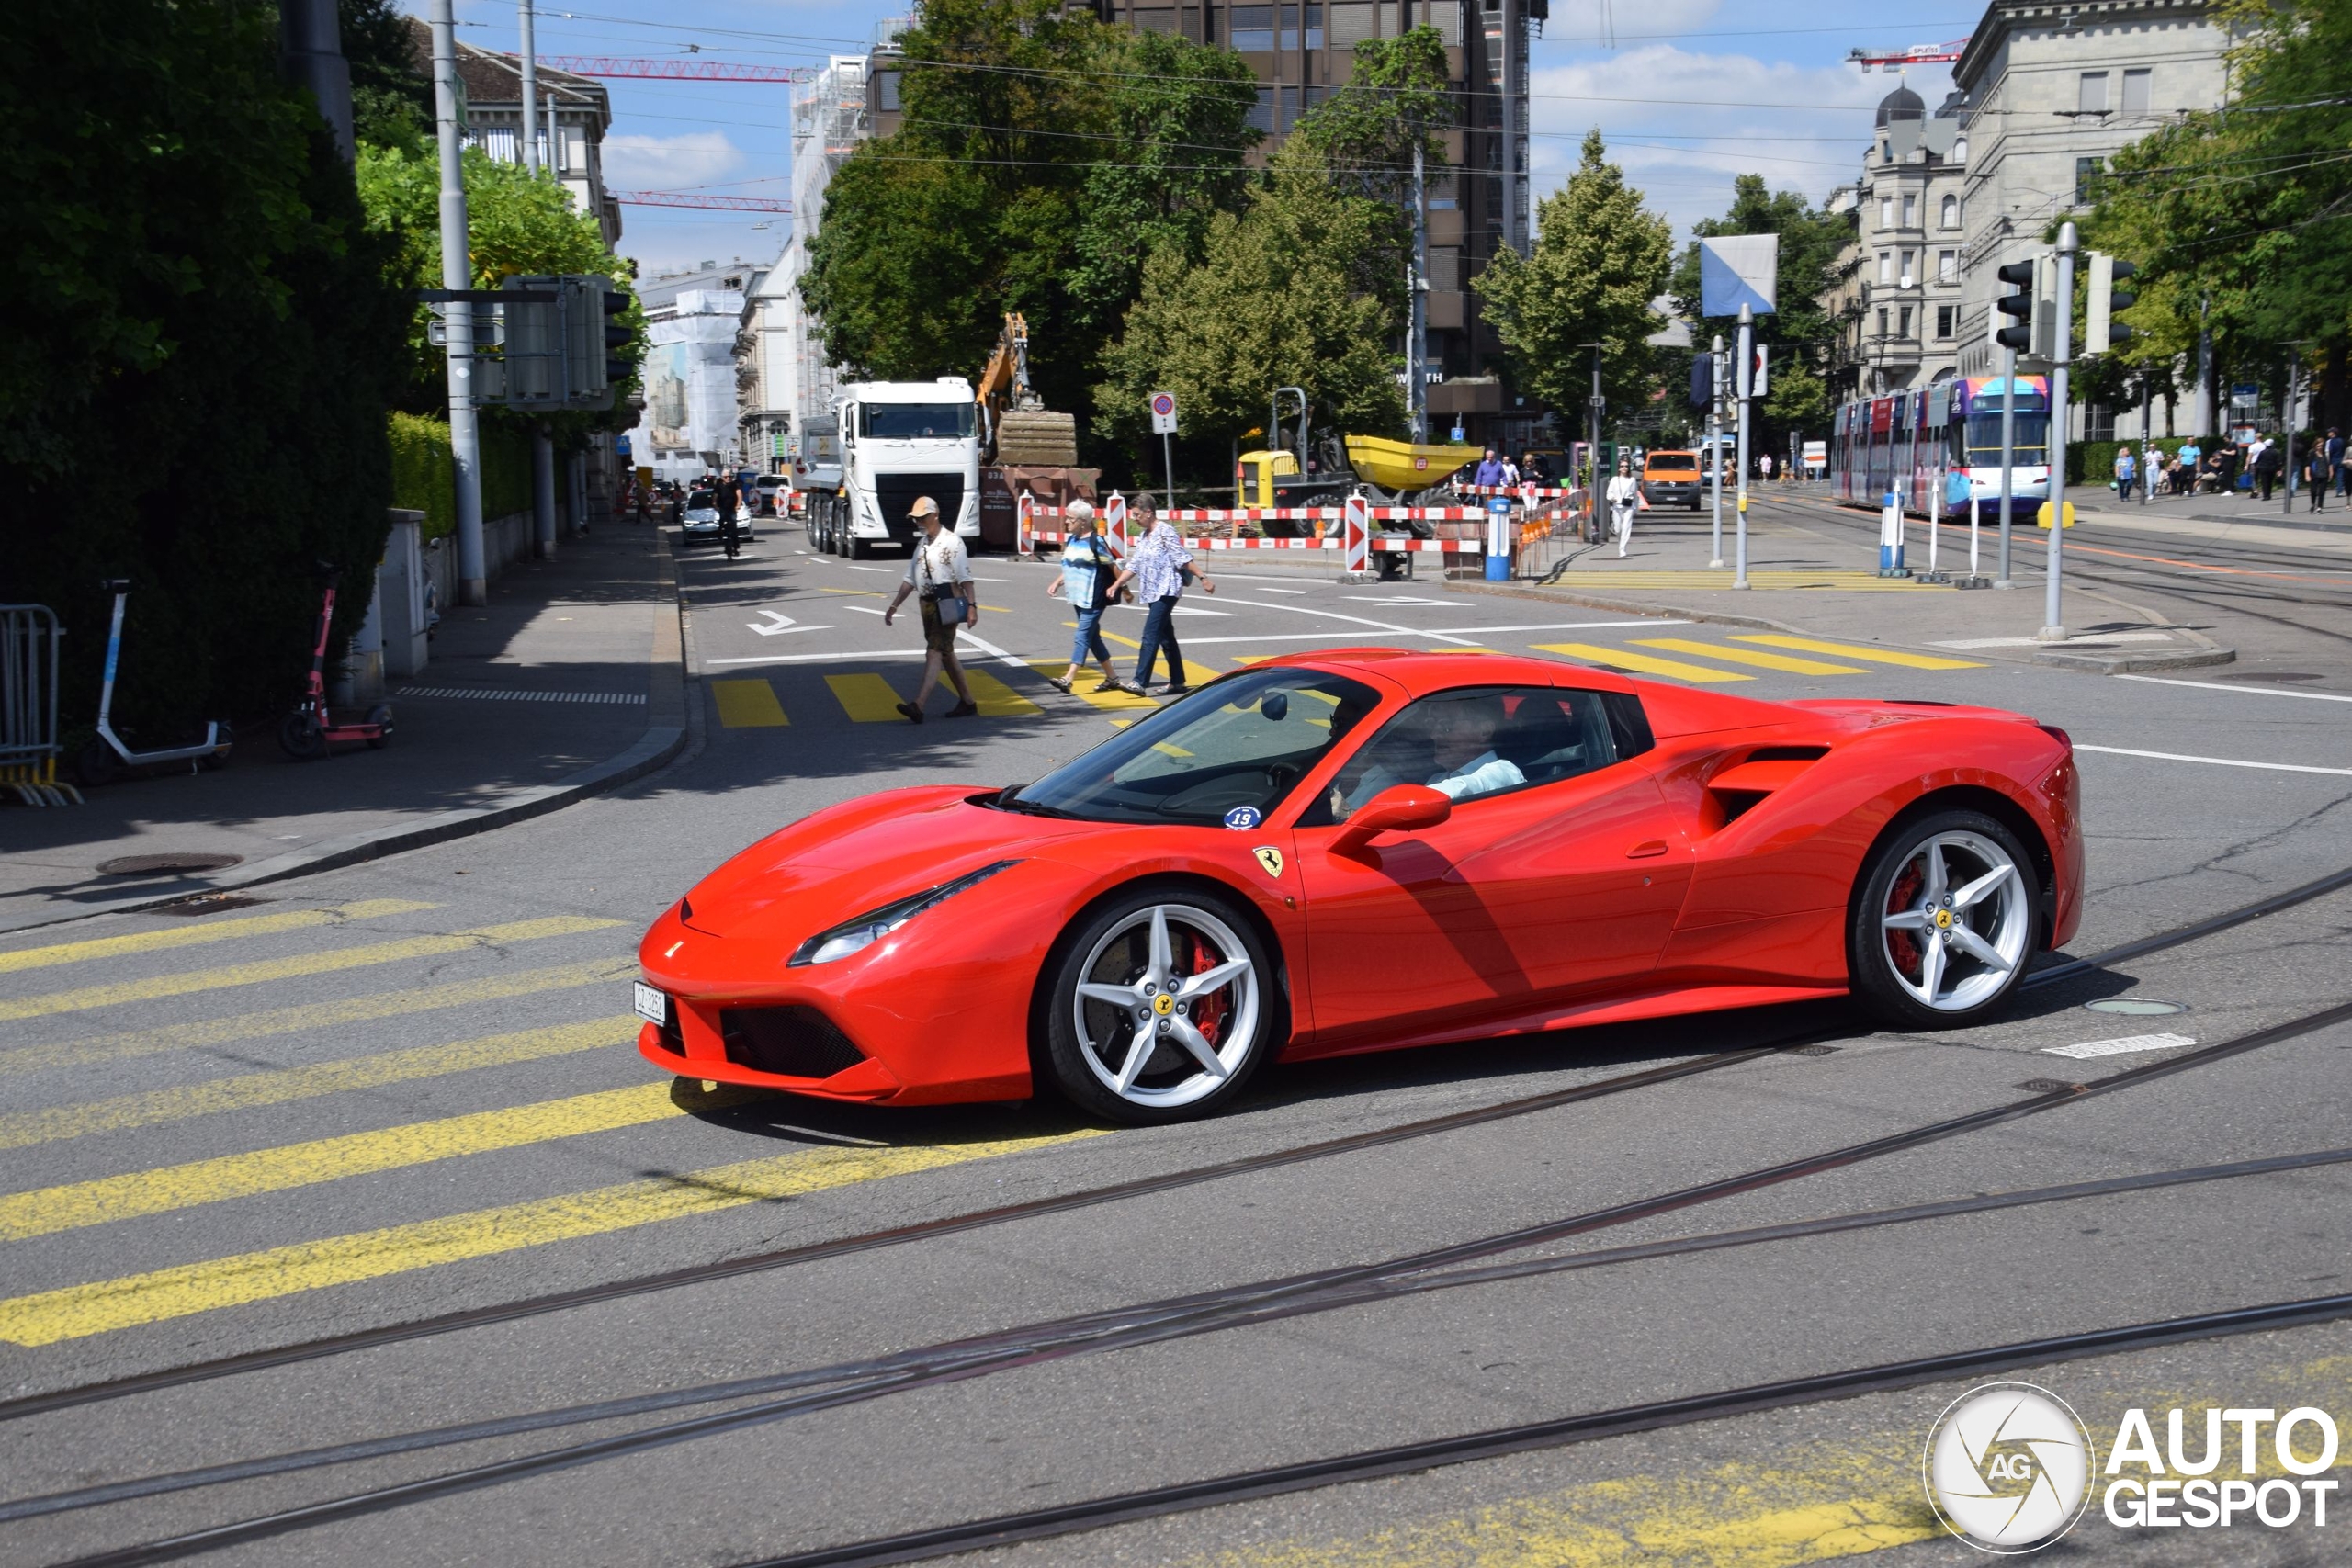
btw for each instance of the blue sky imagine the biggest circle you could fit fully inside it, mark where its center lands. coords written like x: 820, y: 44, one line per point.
x: 1689, y: 94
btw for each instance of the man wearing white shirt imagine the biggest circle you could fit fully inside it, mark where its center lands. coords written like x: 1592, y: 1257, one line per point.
x: 1459, y: 734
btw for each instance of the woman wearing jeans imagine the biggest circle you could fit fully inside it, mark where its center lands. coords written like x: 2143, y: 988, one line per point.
x: 1088, y: 570
x: 1158, y: 566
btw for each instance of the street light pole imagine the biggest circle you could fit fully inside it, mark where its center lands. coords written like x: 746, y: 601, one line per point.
x: 1745, y: 380
x: 457, y: 267
x: 1715, y: 445
x: 2054, y: 620
x: 530, y: 92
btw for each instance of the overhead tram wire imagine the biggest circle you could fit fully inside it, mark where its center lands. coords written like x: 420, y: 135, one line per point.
x: 230, y: 1366
x: 1327, y: 1290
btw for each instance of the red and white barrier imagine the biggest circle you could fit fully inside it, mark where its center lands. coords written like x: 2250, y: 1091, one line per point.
x: 1383, y: 542
x: 1321, y: 514
x: 1356, y: 532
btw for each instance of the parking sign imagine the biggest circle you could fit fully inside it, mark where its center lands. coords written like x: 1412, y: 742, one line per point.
x: 1163, y: 413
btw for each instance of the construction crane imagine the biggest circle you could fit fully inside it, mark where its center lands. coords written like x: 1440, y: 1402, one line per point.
x: 1016, y: 426
x: 714, y: 203
x: 1917, y: 54
x: 677, y: 70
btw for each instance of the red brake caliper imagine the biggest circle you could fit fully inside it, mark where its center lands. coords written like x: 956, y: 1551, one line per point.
x: 1901, y: 945
x: 1209, y: 1012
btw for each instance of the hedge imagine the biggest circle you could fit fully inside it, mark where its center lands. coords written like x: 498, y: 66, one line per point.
x: 424, y: 478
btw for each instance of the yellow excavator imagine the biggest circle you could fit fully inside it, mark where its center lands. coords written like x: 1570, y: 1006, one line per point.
x: 1016, y: 428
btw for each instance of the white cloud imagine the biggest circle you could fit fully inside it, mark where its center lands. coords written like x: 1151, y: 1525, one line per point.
x: 669, y: 162
x: 1752, y: 116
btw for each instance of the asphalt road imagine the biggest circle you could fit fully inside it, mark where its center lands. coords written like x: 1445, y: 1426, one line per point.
x: 405, y: 1089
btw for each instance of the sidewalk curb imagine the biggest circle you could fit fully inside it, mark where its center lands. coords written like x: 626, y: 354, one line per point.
x: 661, y: 744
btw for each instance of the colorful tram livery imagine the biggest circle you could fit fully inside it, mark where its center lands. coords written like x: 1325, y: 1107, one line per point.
x: 1907, y: 443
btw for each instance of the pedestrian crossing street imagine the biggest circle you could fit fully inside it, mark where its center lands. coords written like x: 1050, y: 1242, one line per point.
x: 173, y: 1145
x: 753, y: 702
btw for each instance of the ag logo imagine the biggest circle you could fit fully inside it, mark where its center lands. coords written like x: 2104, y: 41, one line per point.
x: 1270, y: 858
x: 2008, y: 1468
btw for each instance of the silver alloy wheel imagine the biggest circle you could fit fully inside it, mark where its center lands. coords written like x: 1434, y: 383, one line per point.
x: 1957, y: 921
x: 1151, y: 1048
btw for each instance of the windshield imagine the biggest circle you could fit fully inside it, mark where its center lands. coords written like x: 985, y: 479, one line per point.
x: 1227, y: 754
x: 915, y: 421
x: 1675, y: 460
x: 702, y: 498
x: 1984, y: 437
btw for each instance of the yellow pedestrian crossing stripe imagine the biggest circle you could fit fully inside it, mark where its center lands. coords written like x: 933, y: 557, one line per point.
x: 1750, y: 656
x: 305, y: 1017
x: 747, y: 704
x: 867, y: 699
x: 157, y: 986
x: 1083, y: 688
x: 281, y: 1086
x: 47, y: 1210
x: 1647, y: 663
x: 192, y: 935
x: 1869, y: 655
x: 47, y: 1317
x: 995, y: 699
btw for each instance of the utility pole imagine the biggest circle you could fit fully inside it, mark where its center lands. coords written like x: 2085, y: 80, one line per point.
x: 530, y: 94
x: 2294, y: 378
x: 1592, y: 448
x: 2054, y: 620
x: 2009, y: 454
x: 309, y: 53
x: 1715, y: 445
x: 1416, y: 344
x: 2147, y: 445
x: 456, y: 268
x: 1747, y: 379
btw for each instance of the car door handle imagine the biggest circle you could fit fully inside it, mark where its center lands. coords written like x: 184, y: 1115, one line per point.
x: 1644, y: 852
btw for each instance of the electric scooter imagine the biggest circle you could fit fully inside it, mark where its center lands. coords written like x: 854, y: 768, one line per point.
x: 306, y: 733
x: 105, y: 757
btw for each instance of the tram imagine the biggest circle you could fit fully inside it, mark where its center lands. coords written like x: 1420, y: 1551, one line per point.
x: 1907, y: 442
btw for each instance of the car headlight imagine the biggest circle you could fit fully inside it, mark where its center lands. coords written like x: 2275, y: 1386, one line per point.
x: 853, y: 936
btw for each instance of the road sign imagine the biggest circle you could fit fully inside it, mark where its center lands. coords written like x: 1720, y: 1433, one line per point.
x: 1163, y: 413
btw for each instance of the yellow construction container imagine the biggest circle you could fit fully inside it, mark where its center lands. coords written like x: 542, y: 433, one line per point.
x: 1401, y: 466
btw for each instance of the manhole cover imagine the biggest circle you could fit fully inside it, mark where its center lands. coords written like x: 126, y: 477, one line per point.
x: 208, y: 904
x: 165, y: 864
x: 2147, y: 1007
x: 2047, y: 1086
x: 1811, y: 1050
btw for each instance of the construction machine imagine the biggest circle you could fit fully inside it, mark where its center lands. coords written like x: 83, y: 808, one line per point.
x: 1016, y: 428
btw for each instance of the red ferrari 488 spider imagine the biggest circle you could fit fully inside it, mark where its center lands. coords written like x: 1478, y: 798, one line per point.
x: 1368, y: 849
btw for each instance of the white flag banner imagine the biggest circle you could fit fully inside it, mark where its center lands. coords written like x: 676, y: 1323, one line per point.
x: 1738, y: 270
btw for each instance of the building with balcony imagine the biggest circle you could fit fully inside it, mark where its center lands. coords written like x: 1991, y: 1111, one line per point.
x: 1900, y: 305
x: 2052, y: 91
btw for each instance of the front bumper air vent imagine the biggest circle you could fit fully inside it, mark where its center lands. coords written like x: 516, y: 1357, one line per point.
x: 795, y: 1041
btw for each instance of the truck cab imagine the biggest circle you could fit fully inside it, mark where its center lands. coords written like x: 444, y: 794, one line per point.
x: 901, y: 440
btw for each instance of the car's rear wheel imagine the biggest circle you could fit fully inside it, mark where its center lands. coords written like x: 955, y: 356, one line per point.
x: 1944, y: 922
x: 1161, y: 1007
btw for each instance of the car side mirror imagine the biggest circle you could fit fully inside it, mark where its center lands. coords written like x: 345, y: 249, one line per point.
x: 1400, y: 808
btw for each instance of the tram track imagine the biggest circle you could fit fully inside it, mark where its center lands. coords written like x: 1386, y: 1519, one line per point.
x: 1151, y: 1323
x: 27, y: 1406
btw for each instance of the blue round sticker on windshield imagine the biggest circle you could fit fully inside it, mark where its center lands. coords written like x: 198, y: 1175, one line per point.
x: 1243, y: 817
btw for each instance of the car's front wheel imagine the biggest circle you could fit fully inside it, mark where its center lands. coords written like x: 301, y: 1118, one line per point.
x: 1944, y: 922
x: 1160, y: 1008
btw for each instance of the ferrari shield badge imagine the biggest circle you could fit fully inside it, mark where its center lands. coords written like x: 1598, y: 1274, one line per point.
x: 1242, y: 819
x: 1270, y: 858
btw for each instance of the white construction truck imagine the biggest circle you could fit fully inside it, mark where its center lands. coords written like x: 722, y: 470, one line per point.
x: 901, y: 440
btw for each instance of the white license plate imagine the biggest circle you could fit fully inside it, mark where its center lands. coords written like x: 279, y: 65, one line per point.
x: 653, y: 1004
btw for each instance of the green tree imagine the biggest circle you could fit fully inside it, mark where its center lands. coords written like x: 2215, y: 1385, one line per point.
x: 1395, y: 98
x: 391, y: 100
x: 1276, y: 301
x: 1599, y: 258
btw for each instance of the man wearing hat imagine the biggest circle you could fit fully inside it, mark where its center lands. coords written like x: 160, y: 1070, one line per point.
x: 942, y: 573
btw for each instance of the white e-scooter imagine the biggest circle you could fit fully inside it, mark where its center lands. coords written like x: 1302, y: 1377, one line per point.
x: 104, y: 760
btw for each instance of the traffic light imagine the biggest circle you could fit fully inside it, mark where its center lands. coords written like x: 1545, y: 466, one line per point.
x: 534, y: 345
x: 2102, y: 331
x: 2035, y: 310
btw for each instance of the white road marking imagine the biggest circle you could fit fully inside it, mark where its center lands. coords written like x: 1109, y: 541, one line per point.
x: 1359, y: 620
x: 2087, y: 639
x: 2123, y: 1047
x: 865, y: 609
x: 822, y: 657
x: 2216, y: 761
x: 993, y: 651
x: 883, y: 569
x: 1260, y: 577
x: 1188, y: 610
x: 1387, y: 599
x: 778, y: 623
x: 1567, y: 626
x: 2231, y: 686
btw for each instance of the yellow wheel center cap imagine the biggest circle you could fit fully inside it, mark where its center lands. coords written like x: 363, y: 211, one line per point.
x: 1164, y: 1004
x: 1943, y: 920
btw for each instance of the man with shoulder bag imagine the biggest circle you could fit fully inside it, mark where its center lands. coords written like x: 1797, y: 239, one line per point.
x: 941, y: 572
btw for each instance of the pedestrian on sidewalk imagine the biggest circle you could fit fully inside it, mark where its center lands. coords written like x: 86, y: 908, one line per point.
x: 1624, y: 496
x: 1089, y: 569
x: 1764, y: 467
x: 942, y: 573
x: 2336, y: 460
x: 2126, y: 470
x: 2267, y: 464
x: 1159, y: 565
x: 2318, y: 474
x: 1490, y: 470
x: 1535, y: 471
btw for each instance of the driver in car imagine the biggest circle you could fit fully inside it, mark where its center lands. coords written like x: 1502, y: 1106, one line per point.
x: 1455, y: 737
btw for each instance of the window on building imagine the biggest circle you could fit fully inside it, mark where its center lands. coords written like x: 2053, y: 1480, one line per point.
x: 1903, y: 317
x: 2136, y: 98
x: 1886, y: 213
x: 1910, y: 212
x: 2090, y: 97
x: 1907, y: 275
x: 2086, y: 172
x: 1886, y: 266
x: 1952, y: 212
x: 1944, y: 314
x: 886, y: 91
x: 1882, y: 320
x: 1947, y: 266
x: 1959, y: 150
x: 1253, y: 31
x: 1261, y: 116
